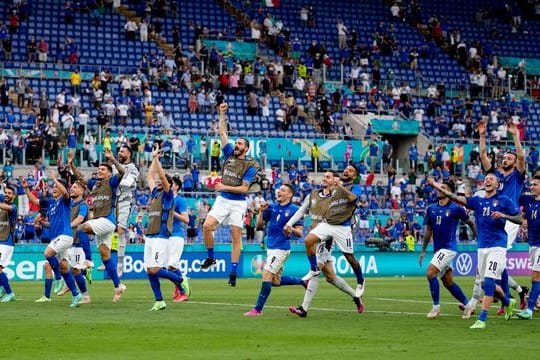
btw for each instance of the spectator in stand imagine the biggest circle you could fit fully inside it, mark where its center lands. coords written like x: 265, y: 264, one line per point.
x: 43, y: 50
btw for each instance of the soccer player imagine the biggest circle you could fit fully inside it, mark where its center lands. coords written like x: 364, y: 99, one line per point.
x: 230, y: 206
x: 531, y: 208
x: 77, y: 255
x: 56, y: 253
x: 491, y: 213
x: 177, y: 240
x: 278, y: 244
x: 159, y: 229
x: 317, y: 202
x: 124, y: 197
x: 511, y: 176
x: 441, y: 222
x: 103, y: 191
x: 337, y: 226
x: 8, y: 218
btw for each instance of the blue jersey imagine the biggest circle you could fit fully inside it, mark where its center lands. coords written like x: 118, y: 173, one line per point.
x: 59, y: 215
x: 276, y: 216
x: 511, y: 185
x: 83, y: 211
x: 531, y: 207
x: 228, y: 151
x: 180, y: 207
x: 491, y: 231
x: 167, y: 202
x: 114, y: 181
x: 444, y: 220
x: 11, y: 222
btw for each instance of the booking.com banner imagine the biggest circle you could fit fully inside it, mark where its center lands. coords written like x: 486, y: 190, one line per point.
x: 28, y: 265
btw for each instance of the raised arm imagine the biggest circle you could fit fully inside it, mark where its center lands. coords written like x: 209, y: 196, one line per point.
x: 6, y: 207
x: 458, y: 199
x: 223, y: 124
x: 484, y: 158
x: 299, y: 214
x: 76, y: 172
x: 150, y: 177
x: 28, y: 193
x: 158, y: 169
x: 60, y: 187
x: 260, y: 221
x: 520, y: 154
x: 109, y: 155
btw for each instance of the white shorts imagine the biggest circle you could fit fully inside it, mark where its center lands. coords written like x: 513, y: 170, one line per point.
x: 229, y: 212
x: 275, y: 258
x: 122, y: 213
x: 61, y: 245
x: 324, y: 255
x: 342, y: 235
x: 77, y: 258
x: 491, y: 262
x: 6, y: 253
x: 103, y: 228
x: 534, y: 258
x: 442, y: 260
x: 155, y: 252
x: 175, y: 248
x: 512, y: 231
x: 363, y: 224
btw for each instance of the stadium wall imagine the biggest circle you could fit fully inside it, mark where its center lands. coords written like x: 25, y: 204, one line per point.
x: 27, y: 263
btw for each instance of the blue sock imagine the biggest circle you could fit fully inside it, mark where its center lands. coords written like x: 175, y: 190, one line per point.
x: 434, y: 289
x: 313, y: 262
x: 234, y: 267
x: 483, y: 315
x: 85, y: 244
x: 266, y: 288
x: 4, y: 281
x: 110, y: 267
x: 55, y: 265
x: 359, y: 275
x: 48, y: 287
x: 288, y: 280
x: 177, y: 272
x: 156, y: 288
x: 533, y: 295
x: 83, y: 271
x: 457, y: 293
x: 504, y: 283
x: 166, y: 274
x: 70, y: 282
x: 81, y: 282
x: 210, y: 252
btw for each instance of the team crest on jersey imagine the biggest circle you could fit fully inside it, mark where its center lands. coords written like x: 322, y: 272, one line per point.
x: 495, y: 203
x: 287, y: 213
x: 447, y: 213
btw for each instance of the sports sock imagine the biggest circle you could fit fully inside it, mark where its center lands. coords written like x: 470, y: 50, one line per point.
x: 177, y: 272
x: 55, y: 266
x: 234, y: 267
x: 210, y: 252
x: 359, y: 275
x: 166, y: 274
x: 110, y: 267
x: 85, y: 244
x: 84, y: 272
x: 434, y: 289
x: 48, y: 287
x: 4, y: 281
x: 121, y: 249
x: 504, y: 283
x: 310, y: 292
x: 266, y: 288
x: 477, y: 290
x: 483, y: 315
x: 313, y: 262
x: 81, y: 282
x: 343, y: 286
x: 533, y: 295
x: 513, y: 284
x: 70, y: 283
x: 156, y: 287
x: 457, y: 293
x: 289, y: 280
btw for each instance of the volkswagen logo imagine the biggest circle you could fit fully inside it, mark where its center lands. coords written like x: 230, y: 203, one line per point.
x: 464, y: 264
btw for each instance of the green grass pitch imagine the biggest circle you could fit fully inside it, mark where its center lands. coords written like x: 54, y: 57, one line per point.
x: 211, y: 326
